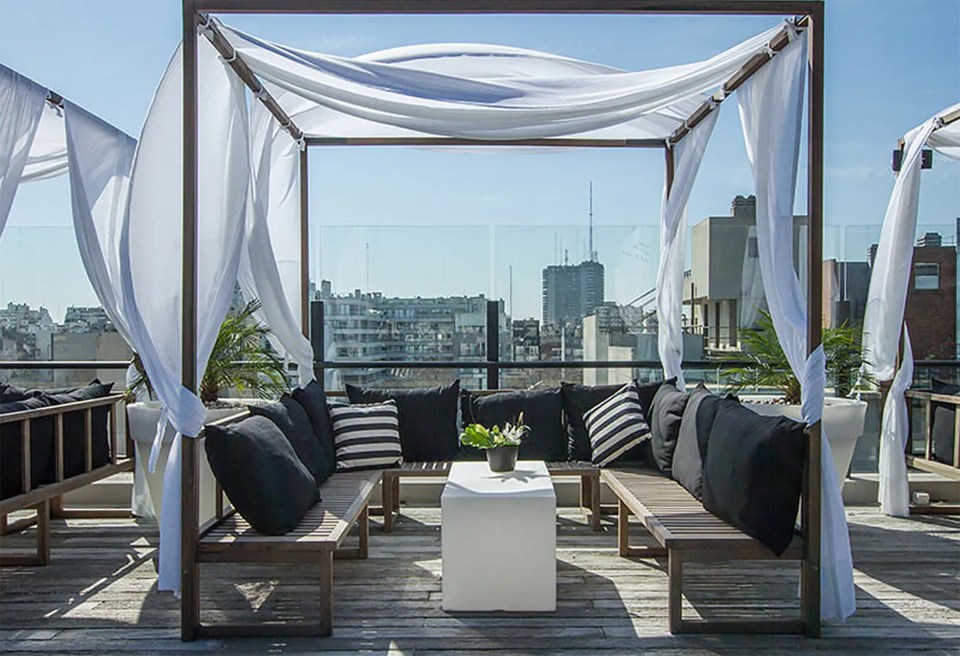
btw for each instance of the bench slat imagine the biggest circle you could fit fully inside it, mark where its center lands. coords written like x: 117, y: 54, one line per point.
x: 323, y: 528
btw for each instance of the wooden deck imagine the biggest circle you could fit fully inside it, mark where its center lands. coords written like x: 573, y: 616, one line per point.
x: 99, y: 596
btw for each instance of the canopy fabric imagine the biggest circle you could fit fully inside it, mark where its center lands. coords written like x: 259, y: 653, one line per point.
x: 886, y: 301
x: 687, y: 156
x: 771, y: 111
x: 483, y: 92
x: 151, y: 252
x: 21, y: 106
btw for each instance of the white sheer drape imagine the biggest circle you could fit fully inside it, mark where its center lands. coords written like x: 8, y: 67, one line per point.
x: 484, y: 92
x: 151, y: 253
x: 687, y: 156
x: 273, y: 218
x: 21, y: 105
x: 771, y: 110
x: 886, y: 300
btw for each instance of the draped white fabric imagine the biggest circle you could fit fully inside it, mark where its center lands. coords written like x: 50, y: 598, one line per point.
x: 21, y: 106
x: 100, y: 162
x: 151, y: 253
x: 48, y: 153
x: 273, y: 217
x: 893, y: 491
x: 771, y: 109
x: 485, y: 92
x: 687, y: 156
x: 886, y: 300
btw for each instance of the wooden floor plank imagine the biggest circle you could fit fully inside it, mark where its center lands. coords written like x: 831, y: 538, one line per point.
x: 99, y: 596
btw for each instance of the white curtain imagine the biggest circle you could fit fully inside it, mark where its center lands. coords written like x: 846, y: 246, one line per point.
x: 100, y: 160
x: 687, y: 155
x: 485, y: 92
x: 273, y: 232
x: 771, y: 111
x: 48, y: 154
x: 151, y: 253
x: 21, y: 105
x: 886, y: 301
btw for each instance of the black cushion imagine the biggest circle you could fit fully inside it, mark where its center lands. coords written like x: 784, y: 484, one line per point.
x: 666, y: 412
x: 261, y: 474
x: 12, y: 393
x: 428, y: 419
x: 577, y: 399
x: 290, y: 417
x: 753, y: 473
x: 74, y: 448
x: 698, y: 416
x: 314, y: 402
x: 943, y: 428
x: 542, y: 412
x: 11, y: 454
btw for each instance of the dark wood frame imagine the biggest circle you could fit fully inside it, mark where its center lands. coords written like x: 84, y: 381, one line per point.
x: 194, y: 14
x: 926, y: 462
x: 47, y: 500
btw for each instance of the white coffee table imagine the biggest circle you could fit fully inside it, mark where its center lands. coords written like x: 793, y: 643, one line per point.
x: 499, y: 538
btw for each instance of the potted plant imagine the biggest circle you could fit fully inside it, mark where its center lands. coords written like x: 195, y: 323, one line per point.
x: 843, y: 417
x: 239, y: 362
x: 501, y: 444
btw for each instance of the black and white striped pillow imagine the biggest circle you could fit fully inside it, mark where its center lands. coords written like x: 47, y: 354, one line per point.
x: 366, y: 436
x: 616, y: 425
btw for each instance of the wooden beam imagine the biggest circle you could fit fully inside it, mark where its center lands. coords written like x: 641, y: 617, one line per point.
x: 810, y: 571
x: 735, y: 7
x: 211, y: 30
x: 189, y: 589
x: 754, y: 64
x: 304, y: 243
x: 559, y: 142
x: 950, y: 117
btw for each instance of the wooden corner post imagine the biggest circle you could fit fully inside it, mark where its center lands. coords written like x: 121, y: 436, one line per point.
x: 189, y: 579
x: 304, y: 241
x: 812, y: 513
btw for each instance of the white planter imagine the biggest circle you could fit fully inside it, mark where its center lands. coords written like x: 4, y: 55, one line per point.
x: 148, y: 487
x: 842, y: 422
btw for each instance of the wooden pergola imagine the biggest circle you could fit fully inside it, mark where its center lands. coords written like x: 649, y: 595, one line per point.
x: 810, y: 17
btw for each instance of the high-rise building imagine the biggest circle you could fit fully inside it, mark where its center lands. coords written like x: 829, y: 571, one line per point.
x: 571, y: 292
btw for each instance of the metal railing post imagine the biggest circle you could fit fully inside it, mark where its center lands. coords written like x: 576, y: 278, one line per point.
x: 493, y: 344
x: 316, y: 340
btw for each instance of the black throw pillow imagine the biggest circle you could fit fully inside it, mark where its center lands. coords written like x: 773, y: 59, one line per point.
x: 11, y: 453
x: 261, y: 474
x: 542, y: 412
x: 943, y: 429
x: 74, y: 449
x: 290, y: 417
x: 753, y: 473
x: 314, y: 402
x: 691, y: 451
x: 12, y: 393
x: 577, y: 399
x: 666, y: 412
x: 428, y: 419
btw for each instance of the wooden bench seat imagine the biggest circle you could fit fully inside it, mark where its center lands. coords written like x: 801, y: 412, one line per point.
x: 47, y: 500
x: 345, y: 499
x: 589, y: 485
x: 686, y: 532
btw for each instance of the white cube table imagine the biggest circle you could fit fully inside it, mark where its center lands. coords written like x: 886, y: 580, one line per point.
x: 499, y: 538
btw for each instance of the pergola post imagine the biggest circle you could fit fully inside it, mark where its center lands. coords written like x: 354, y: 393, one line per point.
x: 812, y: 515
x: 189, y: 575
x: 304, y: 242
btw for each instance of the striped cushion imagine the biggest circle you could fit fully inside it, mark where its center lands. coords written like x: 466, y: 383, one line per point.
x: 616, y: 425
x: 366, y: 436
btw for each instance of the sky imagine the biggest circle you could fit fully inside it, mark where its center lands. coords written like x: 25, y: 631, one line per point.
x: 418, y: 222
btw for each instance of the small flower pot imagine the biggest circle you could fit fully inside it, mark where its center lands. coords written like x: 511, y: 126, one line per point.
x: 502, y: 458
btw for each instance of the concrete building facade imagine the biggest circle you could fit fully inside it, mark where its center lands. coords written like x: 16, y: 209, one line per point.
x: 571, y: 292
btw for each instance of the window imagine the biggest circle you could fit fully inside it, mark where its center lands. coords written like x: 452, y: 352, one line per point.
x: 926, y: 276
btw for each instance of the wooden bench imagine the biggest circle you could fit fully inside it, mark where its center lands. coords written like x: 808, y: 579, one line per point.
x: 588, y: 473
x: 686, y: 532
x: 47, y: 500
x: 229, y: 538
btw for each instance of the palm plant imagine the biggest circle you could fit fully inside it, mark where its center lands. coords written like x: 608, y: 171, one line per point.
x: 769, y: 366
x: 238, y: 360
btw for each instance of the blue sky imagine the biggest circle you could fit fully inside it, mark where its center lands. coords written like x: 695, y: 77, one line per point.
x: 442, y: 223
